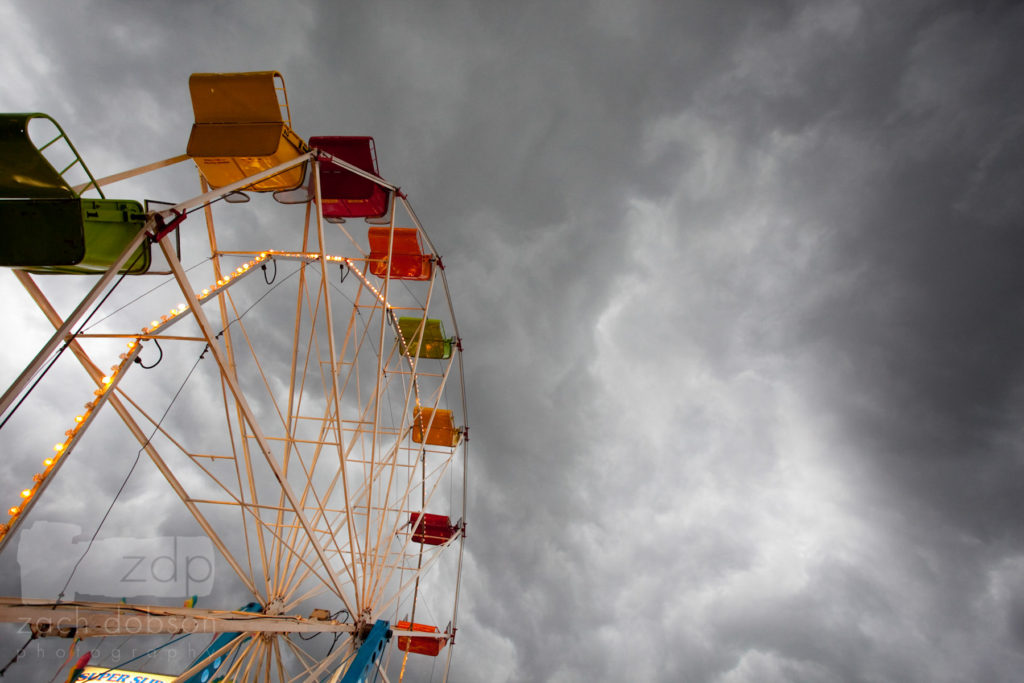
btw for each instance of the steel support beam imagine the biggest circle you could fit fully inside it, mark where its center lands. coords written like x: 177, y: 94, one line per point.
x: 87, y: 619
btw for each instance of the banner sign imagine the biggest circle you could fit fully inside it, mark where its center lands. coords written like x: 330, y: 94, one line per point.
x: 101, y: 673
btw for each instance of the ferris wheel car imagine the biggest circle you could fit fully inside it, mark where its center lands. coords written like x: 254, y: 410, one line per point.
x: 347, y: 194
x: 242, y: 129
x: 408, y: 262
x: 46, y: 226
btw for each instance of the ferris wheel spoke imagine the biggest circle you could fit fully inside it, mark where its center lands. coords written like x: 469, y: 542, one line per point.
x: 239, y: 655
x: 252, y: 658
x: 243, y: 406
x: 303, y: 556
x: 314, y: 668
x: 332, y: 354
x: 408, y: 583
x: 326, y: 420
x: 404, y: 548
x: 321, y: 507
x: 320, y: 510
x: 385, y: 464
x: 227, y: 374
x: 244, y: 465
x: 278, y: 662
x: 292, y: 601
x: 294, y: 416
x: 326, y: 423
x: 294, y: 396
x: 222, y: 651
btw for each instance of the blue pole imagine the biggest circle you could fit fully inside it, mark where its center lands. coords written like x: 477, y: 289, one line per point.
x: 220, y: 641
x: 369, y: 652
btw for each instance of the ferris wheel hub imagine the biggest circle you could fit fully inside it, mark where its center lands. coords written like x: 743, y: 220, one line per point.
x: 274, y: 607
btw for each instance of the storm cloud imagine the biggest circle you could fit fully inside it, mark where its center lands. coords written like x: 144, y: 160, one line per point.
x: 739, y: 288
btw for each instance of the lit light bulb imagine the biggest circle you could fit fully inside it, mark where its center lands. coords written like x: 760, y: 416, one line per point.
x: 79, y: 418
x: 48, y: 462
x: 58, y: 447
x: 13, y: 511
x: 107, y: 380
x: 153, y: 324
x: 26, y: 493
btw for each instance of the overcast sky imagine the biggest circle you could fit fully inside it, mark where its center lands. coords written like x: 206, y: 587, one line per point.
x: 741, y: 292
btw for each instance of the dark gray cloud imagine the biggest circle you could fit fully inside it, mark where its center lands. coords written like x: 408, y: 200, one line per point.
x: 739, y: 294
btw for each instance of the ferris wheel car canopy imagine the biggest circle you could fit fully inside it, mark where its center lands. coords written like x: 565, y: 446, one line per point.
x: 345, y: 194
x: 240, y: 130
x: 45, y: 226
x: 408, y: 262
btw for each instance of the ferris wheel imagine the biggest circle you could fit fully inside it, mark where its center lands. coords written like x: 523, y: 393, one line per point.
x: 300, y: 400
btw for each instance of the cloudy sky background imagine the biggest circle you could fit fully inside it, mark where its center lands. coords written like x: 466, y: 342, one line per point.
x: 740, y: 288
